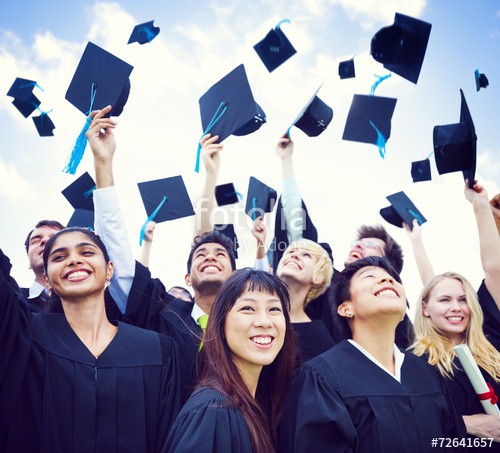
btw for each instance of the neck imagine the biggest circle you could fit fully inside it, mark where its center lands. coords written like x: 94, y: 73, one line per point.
x: 87, y: 318
x: 298, y: 293
x: 204, y: 301
x: 250, y: 376
x: 39, y: 279
x: 378, y: 340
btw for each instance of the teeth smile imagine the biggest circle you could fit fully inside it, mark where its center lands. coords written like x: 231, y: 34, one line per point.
x: 210, y: 267
x: 262, y: 340
x: 455, y: 318
x: 386, y: 292
x: 78, y: 274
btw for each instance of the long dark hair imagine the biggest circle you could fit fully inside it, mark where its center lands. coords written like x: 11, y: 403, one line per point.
x: 262, y: 414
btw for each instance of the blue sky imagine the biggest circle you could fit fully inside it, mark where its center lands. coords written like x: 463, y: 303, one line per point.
x: 343, y: 183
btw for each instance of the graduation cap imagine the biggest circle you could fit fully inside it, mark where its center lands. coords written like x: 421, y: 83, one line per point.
x: 165, y: 199
x: 481, y: 80
x: 401, y: 46
x: 103, y: 75
x: 22, y: 89
x: 401, y: 210
x: 228, y: 230
x: 421, y: 170
x: 101, y: 79
x: 144, y: 33
x: 82, y: 218
x: 27, y: 108
x: 275, y: 48
x: 229, y: 107
x: 227, y: 194
x: 260, y: 198
x: 346, y: 69
x: 314, y: 117
x: 44, y: 125
x: 80, y: 192
x: 369, y: 120
x: 455, y: 145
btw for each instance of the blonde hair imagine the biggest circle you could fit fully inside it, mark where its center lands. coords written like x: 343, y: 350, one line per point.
x: 323, y: 270
x: 439, y: 348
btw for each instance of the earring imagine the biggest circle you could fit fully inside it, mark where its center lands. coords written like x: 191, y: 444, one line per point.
x: 349, y: 314
x: 106, y: 284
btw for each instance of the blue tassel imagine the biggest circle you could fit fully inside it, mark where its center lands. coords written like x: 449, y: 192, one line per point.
x: 381, y: 141
x: 238, y: 194
x: 150, y: 219
x: 88, y: 193
x: 254, y: 208
x: 149, y: 34
x: 217, y: 116
x: 278, y: 25
x: 416, y: 216
x: 380, y: 79
x: 78, y: 150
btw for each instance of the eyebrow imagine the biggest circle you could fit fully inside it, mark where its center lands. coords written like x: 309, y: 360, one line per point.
x: 204, y: 249
x: 81, y: 244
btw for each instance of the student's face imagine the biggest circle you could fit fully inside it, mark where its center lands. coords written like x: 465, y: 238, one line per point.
x: 448, y: 309
x: 375, y: 292
x: 211, y: 263
x: 297, y: 264
x: 255, y: 330
x: 365, y: 247
x: 36, y: 246
x: 76, y: 266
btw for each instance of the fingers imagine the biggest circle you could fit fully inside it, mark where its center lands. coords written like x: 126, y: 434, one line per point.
x: 207, y: 139
x: 99, y: 120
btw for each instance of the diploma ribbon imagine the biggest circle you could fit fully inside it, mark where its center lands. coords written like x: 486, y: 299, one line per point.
x: 490, y: 395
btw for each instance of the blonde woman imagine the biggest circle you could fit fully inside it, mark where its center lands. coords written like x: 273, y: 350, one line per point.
x: 307, y: 270
x: 448, y: 314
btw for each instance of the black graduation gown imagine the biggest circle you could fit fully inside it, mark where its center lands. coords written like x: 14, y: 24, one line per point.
x: 491, y: 324
x: 313, y: 339
x: 149, y: 306
x: 209, y: 423
x: 342, y: 401
x: 55, y: 396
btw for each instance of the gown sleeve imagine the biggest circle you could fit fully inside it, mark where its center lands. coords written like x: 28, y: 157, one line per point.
x: 315, y: 417
x: 491, y: 313
x: 15, y: 341
x: 207, y: 426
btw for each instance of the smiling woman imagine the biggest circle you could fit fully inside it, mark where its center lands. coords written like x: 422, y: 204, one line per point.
x: 75, y: 373
x: 246, y: 367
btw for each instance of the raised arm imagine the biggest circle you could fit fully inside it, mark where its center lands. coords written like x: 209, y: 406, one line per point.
x: 148, y: 242
x: 495, y: 207
x: 206, y: 204
x: 290, y: 195
x: 109, y: 224
x: 489, y: 239
x: 424, y: 265
x: 259, y: 233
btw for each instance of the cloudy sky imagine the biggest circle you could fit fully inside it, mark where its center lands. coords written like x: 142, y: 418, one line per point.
x: 343, y: 183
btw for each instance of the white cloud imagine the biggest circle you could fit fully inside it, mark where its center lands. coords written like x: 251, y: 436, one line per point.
x: 12, y: 185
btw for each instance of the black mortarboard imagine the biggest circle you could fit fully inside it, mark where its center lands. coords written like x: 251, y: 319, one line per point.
x: 228, y: 230
x: 22, y: 89
x: 401, y: 46
x: 177, y: 203
x: 481, y: 80
x: 144, y: 33
x: 228, y: 107
x: 80, y: 192
x: 82, y: 218
x: 275, y: 48
x: 455, y: 145
x: 27, y: 108
x: 365, y: 109
x: 401, y: 210
x: 101, y: 71
x: 44, y: 125
x: 346, y: 69
x: 314, y: 117
x: 226, y: 194
x: 260, y: 198
x: 421, y: 170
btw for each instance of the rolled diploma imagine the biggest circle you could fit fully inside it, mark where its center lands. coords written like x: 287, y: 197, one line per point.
x: 475, y: 377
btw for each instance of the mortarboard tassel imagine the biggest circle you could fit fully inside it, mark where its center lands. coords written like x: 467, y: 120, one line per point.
x: 282, y: 21
x: 88, y: 193
x: 254, y: 208
x: 217, y: 116
x: 416, y: 216
x: 379, y: 80
x: 31, y: 84
x: 238, y: 194
x: 148, y: 32
x: 81, y: 141
x: 380, y: 140
x: 150, y: 219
